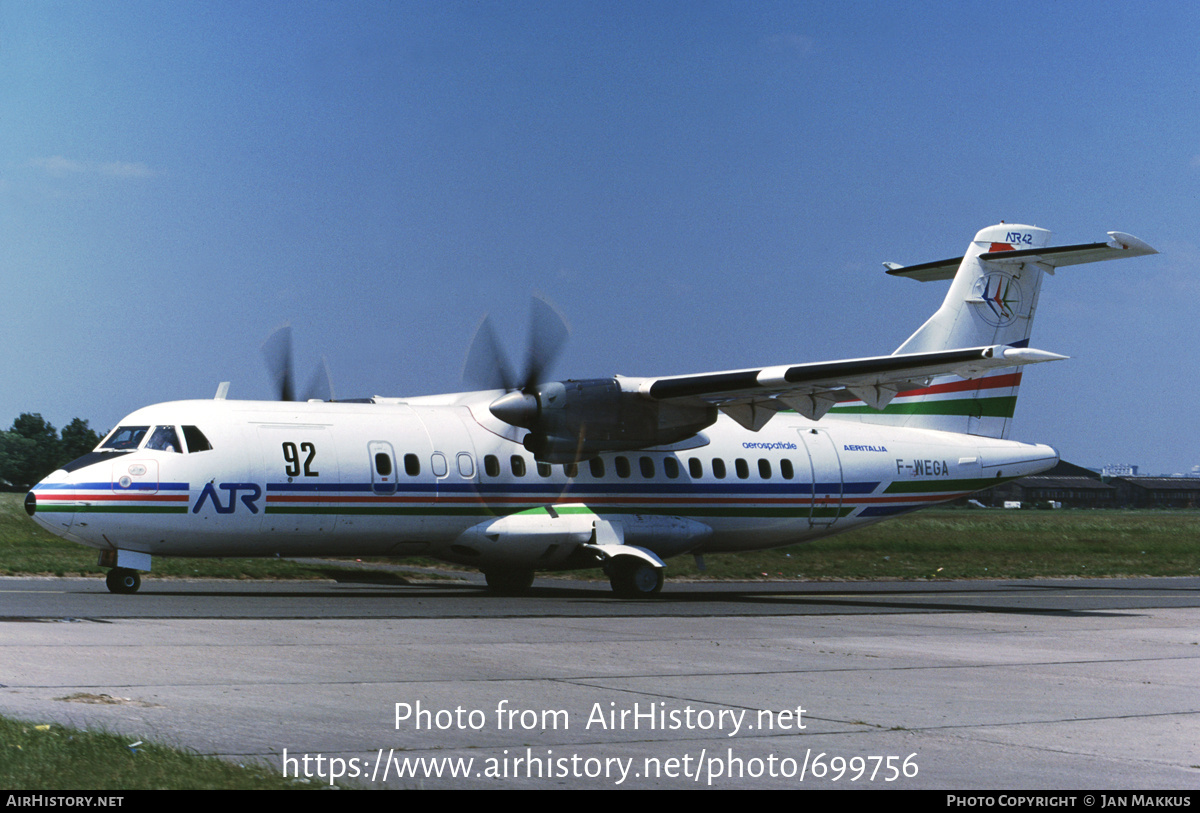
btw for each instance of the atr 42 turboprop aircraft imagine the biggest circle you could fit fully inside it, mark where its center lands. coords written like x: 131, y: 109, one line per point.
x: 529, y: 475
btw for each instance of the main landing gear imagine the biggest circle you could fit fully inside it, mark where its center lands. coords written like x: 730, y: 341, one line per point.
x: 123, y: 580
x: 634, y: 578
x: 509, y: 582
x: 629, y: 577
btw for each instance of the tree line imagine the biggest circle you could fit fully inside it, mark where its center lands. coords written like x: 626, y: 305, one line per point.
x: 33, y: 448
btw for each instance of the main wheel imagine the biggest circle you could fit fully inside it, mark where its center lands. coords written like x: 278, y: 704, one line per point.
x: 509, y: 582
x: 123, y: 580
x: 635, y: 579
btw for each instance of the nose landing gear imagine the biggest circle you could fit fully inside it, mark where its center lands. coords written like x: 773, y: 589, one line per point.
x: 125, y: 564
x: 123, y: 580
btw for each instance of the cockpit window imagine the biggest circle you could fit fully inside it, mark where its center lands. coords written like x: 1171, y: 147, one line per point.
x: 195, y: 439
x: 164, y: 439
x: 125, y: 438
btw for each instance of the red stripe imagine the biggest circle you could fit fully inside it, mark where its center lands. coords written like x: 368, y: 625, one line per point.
x: 93, y: 497
x: 576, y: 499
x: 966, y: 385
x: 994, y: 382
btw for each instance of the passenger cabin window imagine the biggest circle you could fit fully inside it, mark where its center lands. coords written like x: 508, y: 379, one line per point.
x: 647, y: 465
x: 571, y: 469
x: 518, y: 465
x: 742, y: 468
x: 785, y: 468
x: 718, y: 468
x: 491, y: 465
x: 671, y: 467
x: 764, y: 468
x: 383, y: 464
x: 596, y: 466
x: 196, y: 441
x: 543, y: 469
x: 466, y: 465
x: 695, y: 468
x: 412, y: 465
x: 622, y: 466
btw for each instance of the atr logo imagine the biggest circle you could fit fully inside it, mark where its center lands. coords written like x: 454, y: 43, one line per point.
x: 249, y: 499
x: 1001, y: 296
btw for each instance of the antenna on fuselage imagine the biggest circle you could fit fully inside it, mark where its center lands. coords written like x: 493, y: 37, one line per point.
x: 222, y: 391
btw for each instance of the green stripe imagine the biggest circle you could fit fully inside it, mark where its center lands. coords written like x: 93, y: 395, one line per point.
x: 923, y: 486
x: 382, y: 511
x: 999, y: 407
x: 798, y: 510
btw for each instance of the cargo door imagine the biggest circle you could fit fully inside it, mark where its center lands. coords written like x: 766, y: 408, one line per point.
x: 825, y: 466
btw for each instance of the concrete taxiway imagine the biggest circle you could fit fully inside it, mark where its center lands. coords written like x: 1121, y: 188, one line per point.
x: 973, y: 685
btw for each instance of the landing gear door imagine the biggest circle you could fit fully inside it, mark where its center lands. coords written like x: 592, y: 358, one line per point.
x: 826, y: 469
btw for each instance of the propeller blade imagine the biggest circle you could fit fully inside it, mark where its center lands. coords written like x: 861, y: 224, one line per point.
x: 548, y: 333
x: 277, y: 350
x: 320, y: 386
x: 487, y: 366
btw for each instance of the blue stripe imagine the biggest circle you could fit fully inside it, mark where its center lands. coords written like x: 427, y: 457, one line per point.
x: 111, y: 486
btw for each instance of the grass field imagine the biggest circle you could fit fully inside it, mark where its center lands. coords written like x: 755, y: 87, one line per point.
x: 52, y: 757
x: 937, y: 543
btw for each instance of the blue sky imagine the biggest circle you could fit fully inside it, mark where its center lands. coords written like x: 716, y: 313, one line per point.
x: 697, y: 186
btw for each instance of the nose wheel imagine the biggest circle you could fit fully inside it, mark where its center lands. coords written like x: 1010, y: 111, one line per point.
x: 123, y: 580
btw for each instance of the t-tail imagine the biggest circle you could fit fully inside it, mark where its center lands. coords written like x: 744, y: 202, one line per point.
x: 991, y: 301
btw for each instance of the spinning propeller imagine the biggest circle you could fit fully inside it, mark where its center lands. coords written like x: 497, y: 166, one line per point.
x: 487, y: 365
x: 277, y: 351
x: 572, y: 419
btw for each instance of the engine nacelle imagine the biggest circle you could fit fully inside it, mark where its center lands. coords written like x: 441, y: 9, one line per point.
x: 573, y: 420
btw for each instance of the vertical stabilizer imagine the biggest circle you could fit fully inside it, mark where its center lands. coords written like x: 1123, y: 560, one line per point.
x: 991, y: 301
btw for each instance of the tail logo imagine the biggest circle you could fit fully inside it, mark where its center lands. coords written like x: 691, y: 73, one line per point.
x: 1001, y: 298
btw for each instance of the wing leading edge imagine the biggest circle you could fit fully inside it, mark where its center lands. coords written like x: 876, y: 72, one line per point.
x: 751, y: 397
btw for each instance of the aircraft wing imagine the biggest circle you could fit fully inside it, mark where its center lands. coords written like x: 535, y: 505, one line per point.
x: 1121, y: 245
x: 751, y: 397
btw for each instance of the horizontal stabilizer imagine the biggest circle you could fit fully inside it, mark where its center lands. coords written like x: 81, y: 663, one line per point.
x: 1118, y: 246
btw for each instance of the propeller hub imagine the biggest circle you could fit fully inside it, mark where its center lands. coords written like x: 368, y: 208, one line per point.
x: 516, y: 408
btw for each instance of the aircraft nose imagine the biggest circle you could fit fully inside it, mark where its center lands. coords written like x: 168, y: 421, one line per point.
x: 45, y: 502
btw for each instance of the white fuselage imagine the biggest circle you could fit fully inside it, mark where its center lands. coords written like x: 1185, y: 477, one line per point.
x: 327, y: 478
